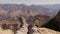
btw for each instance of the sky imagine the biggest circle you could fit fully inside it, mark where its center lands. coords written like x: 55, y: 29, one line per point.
x: 29, y: 2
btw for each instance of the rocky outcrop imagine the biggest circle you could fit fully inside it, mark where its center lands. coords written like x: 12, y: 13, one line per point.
x: 54, y: 23
x: 43, y: 30
x: 24, y: 27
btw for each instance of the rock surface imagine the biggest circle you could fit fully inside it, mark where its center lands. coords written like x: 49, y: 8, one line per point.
x: 44, y: 31
x: 24, y: 27
x: 6, y: 31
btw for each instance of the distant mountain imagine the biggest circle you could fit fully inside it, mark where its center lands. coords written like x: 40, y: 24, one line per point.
x: 15, y: 10
x: 43, y: 10
x: 55, y: 7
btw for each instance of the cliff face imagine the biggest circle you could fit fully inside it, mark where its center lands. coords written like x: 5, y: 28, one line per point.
x: 14, y: 10
x: 54, y: 23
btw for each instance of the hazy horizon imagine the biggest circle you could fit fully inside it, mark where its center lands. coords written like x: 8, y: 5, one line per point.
x: 30, y: 2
